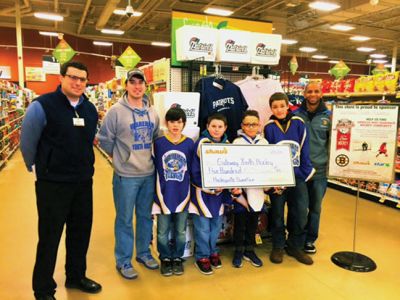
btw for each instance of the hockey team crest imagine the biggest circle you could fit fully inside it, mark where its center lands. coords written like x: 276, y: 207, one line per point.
x: 142, y: 133
x: 174, y: 165
x: 294, y: 151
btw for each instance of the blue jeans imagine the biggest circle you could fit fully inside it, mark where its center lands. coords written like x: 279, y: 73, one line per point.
x: 206, y: 233
x: 131, y: 192
x: 297, y: 202
x: 178, y: 223
x: 316, y: 192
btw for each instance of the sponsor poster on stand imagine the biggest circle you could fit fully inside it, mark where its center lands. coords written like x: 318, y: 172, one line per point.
x: 363, y: 142
x: 231, y: 165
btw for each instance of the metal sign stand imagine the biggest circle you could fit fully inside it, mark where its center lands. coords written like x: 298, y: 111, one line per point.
x: 351, y: 260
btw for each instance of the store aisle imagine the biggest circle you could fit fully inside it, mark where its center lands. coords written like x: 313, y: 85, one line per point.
x: 377, y: 236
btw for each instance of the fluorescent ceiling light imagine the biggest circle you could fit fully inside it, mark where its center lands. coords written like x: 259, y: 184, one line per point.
x: 53, y: 33
x: 161, y: 44
x: 333, y: 61
x: 98, y: 43
x: 122, y: 12
x: 360, y: 38
x: 388, y: 65
x: 318, y: 56
x: 218, y: 11
x: 365, y: 49
x: 323, y: 5
x: 342, y: 27
x: 48, y: 16
x: 112, y: 31
x: 380, y: 61
x: 378, y: 55
x: 308, y: 49
x: 289, y: 42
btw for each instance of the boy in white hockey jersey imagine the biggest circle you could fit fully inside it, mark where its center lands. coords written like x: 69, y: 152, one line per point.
x: 249, y: 204
x: 172, y: 155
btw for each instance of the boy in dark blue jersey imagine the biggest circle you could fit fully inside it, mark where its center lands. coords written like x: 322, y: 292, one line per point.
x: 172, y: 155
x: 285, y: 128
x: 207, y: 206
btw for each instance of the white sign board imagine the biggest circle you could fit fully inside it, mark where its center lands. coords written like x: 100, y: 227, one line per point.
x: 229, y: 166
x: 194, y: 42
x: 51, y: 67
x: 363, y: 142
x: 265, y: 48
x: 233, y: 46
x: 5, y: 72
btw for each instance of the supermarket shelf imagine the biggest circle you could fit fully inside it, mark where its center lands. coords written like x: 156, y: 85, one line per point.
x: 6, y: 136
x: 12, y: 121
x: 397, y: 170
x: 366, y: 94
x: 3, y: 162
x: 5, y: 148
x: 372, y: 196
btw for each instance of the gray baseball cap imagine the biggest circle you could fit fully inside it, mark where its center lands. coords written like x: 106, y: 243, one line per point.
x: 137, y: 73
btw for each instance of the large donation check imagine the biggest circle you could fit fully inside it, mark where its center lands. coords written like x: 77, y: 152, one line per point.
x: 229, y: 166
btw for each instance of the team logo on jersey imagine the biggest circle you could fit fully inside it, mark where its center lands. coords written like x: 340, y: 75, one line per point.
x: 174, y: 165
x: 262, y: 50
x: 231, y: 47
x: 142, y: 134
x: 196, y: 45
x: 294, y: 151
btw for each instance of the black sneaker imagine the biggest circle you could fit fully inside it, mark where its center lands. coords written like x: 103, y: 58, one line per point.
x: 310, y: 248
x: 252, y: 257
x: 177, y: 266
x: 204, y: 266
x: 237, y: 259
x: 299, y: 255
x: 166, y: 267
x: 215, y: 261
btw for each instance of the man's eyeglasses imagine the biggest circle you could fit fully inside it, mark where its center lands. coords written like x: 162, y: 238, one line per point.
x: 251, y: 125
x: 76, y: 78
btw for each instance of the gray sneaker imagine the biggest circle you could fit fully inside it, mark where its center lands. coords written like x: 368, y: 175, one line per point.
x: 127, y: 271
x: 148, y: 261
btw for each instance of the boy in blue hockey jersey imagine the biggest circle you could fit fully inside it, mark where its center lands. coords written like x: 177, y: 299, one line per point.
x: 172, y: 155
x: 285, y: 128
x: 207, y: 205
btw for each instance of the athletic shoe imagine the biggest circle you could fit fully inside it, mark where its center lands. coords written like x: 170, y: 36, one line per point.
x: 299, y: 255
x: 127, y: 271
x: 252, y: 257
x: 237, y: 259
x: 177, y: 266
x: 215, y: 261
x: 148, y: 261
x: 166, y: 267
x: 276, y: 256
x: 310, y: 248
x: 204, y: 266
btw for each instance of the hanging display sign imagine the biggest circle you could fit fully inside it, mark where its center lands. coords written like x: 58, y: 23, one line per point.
x: 5, y: 72
x: 161, y: 69
x: 340, y: 70
x: 50, y: 65
x: 265, y: 49
x: 233, y: 46
x: 34, y: 74
x: 363, y: 142
x: 230, y: 165
x: 180, y: 19
x: 196, y: 43
x: 63, y: 52
x: 120, y: 72
x: 129, y: 59
x: 293, y: 65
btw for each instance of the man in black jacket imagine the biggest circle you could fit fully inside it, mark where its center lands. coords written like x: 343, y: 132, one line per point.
x: 57, y: 144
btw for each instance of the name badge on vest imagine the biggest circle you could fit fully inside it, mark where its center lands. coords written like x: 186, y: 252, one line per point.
x: 78, y: 122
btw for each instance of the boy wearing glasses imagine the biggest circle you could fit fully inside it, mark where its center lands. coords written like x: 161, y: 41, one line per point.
x: 127, y: 134
x: 249, y: 203
x: 285, y: 128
